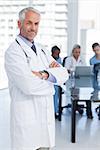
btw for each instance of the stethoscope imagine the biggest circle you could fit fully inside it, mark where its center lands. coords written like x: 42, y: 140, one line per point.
x: 41, y: 57
x: 29, y: 58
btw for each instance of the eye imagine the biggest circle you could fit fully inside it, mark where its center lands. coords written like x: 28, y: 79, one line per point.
x: 29, y: 23
x: 36, y: 23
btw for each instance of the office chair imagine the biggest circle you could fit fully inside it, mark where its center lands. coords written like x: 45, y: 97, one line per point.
x: 95, y: 85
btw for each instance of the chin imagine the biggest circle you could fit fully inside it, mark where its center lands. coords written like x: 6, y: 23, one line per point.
x: 30, y: 39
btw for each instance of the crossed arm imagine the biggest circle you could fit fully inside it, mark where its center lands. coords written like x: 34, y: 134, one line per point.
x: 45, y: 74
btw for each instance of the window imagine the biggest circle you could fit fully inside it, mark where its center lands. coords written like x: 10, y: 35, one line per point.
x: 53, y: 25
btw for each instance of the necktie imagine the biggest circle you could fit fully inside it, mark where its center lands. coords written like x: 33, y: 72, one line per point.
x: 34, y: 48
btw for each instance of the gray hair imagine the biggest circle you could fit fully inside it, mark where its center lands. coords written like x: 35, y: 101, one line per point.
x: 25, y: 10
x: 75, y: 46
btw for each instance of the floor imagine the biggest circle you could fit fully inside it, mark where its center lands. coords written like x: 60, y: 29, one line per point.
x: 88, y: 131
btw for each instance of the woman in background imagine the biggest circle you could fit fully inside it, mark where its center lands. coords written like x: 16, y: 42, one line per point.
x: 74, y: 60
x: 55, y: 54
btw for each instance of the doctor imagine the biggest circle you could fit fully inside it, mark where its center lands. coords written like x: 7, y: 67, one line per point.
x: 31, y: 77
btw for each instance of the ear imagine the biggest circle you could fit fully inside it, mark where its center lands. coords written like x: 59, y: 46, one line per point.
x: 19, y: 24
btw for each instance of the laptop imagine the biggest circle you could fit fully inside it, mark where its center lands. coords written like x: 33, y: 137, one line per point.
x: 83, y: 76
x: 83, y: 71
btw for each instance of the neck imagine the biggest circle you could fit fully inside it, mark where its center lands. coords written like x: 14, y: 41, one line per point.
x: 76, y: 58
x: 98, y: 57
x: 26, y: 38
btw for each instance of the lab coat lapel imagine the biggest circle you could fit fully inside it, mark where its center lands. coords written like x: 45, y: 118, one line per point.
x: 37, y: 62
x: 33, y: 59
x: 25, y: 47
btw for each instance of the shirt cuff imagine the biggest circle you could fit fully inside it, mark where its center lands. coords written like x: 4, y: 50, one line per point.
x: 51, y: 78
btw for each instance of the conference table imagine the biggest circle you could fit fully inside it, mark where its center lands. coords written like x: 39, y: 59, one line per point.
x: 82, y: 94
x: 80, y: 91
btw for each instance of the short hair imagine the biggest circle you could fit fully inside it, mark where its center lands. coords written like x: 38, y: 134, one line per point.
x: 25, y: 10
x: 54, y: 48
x: 94, y: 45
x: 75, y: 46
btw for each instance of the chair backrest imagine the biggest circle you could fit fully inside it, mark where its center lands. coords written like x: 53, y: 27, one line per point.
x: 96, y: 68
x: 64, y: 59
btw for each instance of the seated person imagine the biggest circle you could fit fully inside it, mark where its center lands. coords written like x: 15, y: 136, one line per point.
x: 74, y: 60
x: 96, y: 58
x: 55, y: 52
x: 70, y: 63
x: 96, y: 70
x: 95, y: 61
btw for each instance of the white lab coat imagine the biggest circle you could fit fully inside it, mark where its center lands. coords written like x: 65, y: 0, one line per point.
x: 71, y: 63
x: 32, y: 114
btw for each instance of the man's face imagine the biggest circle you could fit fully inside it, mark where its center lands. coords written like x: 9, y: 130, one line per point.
x: 97, y: 50
x: 29, y: 26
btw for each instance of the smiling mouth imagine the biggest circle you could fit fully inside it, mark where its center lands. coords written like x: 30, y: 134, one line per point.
x: 31, y: 32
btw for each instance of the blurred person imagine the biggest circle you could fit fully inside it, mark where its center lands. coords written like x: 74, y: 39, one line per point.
x: 95, y: 61
x: 55, y: 52
x: 96, y: 58
x: 74, y: 60
x: 70, y: 62
x: 32, y: 73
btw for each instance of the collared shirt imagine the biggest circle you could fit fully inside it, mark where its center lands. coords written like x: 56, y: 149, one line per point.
x: 94, y: 60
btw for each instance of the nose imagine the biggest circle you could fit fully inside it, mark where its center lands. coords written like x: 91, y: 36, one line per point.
x: 33, y: 27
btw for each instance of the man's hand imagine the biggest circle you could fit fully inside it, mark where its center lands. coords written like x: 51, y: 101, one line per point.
x: 54, y: 64
x: 41, y: 74
x: 37, y: 73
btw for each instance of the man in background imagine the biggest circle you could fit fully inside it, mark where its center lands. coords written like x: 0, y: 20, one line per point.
x: 96, y: 58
